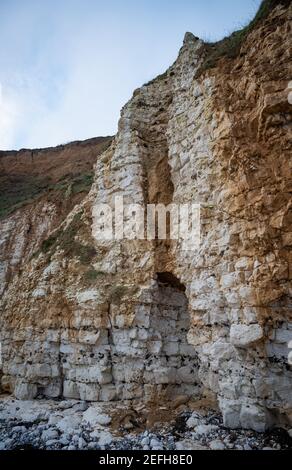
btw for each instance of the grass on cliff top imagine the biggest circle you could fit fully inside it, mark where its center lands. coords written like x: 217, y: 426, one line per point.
x: 230, y: 46
x: 16, y: 193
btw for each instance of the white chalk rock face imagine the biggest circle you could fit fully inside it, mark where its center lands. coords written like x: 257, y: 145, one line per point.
x: 243, y: 336
x: 25, y: 391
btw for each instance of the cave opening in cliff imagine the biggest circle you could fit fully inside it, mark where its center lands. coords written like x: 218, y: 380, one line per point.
x: 172, y: 362
x: 170, y: 280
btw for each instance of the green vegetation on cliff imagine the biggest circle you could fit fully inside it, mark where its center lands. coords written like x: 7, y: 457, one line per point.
x: 230, y: 46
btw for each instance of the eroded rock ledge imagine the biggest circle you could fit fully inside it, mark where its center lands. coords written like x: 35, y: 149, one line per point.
x: 93, y: 321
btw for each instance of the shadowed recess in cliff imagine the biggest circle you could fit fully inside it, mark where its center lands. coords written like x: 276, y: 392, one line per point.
x: 169, y: 279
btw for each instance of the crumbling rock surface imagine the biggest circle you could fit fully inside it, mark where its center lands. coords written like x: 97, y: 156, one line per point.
x: 93, y: 320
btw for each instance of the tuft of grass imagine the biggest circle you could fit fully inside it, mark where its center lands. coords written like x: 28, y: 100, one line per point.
x: 92, y: 275
x: 230, y: 46
x: 82, y: 183
x: 74, y: 184
x: 48, y: 244
x: 162, y: 76
x: 65, y: 240
x: 17, y: 193
x: 85, y: 253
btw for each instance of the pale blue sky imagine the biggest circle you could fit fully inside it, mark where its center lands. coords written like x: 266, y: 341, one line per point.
x: 68, y: 66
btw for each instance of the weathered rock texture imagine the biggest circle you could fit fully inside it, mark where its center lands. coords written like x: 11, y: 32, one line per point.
x: 38, y: 188
x: 148, y: 319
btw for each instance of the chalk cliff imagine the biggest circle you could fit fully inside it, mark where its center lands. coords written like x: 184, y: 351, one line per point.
x: 149, y: 320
